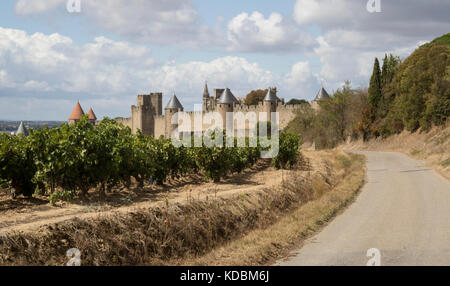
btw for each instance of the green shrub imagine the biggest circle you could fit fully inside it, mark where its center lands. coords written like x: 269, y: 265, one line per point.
x: 289, y: 151
x: 17, y: 164
x: 56, y: 196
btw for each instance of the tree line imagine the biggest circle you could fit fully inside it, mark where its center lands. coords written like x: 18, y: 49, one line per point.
x: 411, y: 95
x: 403, y: 95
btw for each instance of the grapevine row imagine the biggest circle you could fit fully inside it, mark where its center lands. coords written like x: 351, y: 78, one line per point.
x: 76, y: 158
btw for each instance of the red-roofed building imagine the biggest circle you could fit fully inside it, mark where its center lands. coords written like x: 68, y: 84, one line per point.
x: 77, y: 113
x: 92, y: 117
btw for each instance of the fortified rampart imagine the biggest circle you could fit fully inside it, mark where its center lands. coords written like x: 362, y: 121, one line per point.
x: 147, y: 116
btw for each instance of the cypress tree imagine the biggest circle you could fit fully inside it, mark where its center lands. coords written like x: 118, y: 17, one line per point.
x: 375, y: 86
x: 385, y: 72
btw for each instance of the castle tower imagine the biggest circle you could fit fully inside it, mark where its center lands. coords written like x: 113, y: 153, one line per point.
x: 206, y: 91
x: 143, y: 115
x: 22, y: 130
x: 270, y: 103
x: 156, y: 102
x: 92, y: 118
x: 76, y: 114
x: 225, y: 104
x: 206, y: 99
x: 173, y: 107
x: 218, y: 93
x: 321, y: 95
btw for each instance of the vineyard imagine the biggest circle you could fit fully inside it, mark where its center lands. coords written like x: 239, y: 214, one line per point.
x: 70, y: 160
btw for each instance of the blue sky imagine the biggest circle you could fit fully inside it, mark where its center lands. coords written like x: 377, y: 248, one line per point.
x: 113, y: 50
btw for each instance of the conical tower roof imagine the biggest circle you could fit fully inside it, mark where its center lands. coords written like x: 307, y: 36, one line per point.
x: 206, y: 91
x: 22, y: 130
x: 322, y: 94
x: 271, y: 96
x: 92, y: 114
x: 77, y: 112
x: 174, y: 103
x: 227, y: 97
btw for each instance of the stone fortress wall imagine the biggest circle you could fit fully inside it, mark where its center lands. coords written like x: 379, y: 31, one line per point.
x: 148, y: 117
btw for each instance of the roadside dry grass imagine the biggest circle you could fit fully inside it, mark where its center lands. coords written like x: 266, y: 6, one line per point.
x: 433, y: 147
x: 265, y: 246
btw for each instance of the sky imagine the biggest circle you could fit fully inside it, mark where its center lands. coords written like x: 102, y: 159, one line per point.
x: 105, y: 54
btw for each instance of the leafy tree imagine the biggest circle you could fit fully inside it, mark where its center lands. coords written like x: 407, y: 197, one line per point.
x: 303, y: 123
x: 391, y: 64
x: 289, y: 151
x: 255, y: 96
x: 336, y: 119
x: 295, y: 101
x: 421, y: 88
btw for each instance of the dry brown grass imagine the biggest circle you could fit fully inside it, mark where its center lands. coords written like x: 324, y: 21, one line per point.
x: 177, y: 233
x: 265, y: 246
x: 433, y: 147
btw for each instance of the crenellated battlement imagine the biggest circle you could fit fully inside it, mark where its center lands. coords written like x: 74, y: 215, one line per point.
x: 249, y: 108
x: 290, y: 107
x: 147, y: 114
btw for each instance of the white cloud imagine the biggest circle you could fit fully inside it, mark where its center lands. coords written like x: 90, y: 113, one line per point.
x: 299, y: 73
x: 109, y: 74
x: 36, y: 85
x: 351, y: 37
x: 240, y: 75
x: 150, y: 21
x: 53, y: 62
x: 5, y: 80
x: 187, y: 79
x: 156, y: 21
x: 256, y: 33
x: 341, y: 62
x: 319, y: 12
x: 27, y: 7
x: 397, y: 17
x: 299, y: 82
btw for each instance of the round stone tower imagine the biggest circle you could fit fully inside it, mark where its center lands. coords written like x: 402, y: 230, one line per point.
x: 92, y: 117
x: 173, y: 107
x: 270, y: 103
x: 76, y: 114
x: 321, y: 95
x: 225, y: 105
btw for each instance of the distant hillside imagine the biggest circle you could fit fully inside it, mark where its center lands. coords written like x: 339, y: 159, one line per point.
x: 418, y: 96
x: 444, y: 40
x: 11, y: 125
x: 403, y: 95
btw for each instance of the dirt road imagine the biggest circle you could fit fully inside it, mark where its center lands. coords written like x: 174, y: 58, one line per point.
x: 403, y: 211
